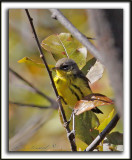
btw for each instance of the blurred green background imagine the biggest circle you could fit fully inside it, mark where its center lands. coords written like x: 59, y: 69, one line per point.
x: 50, y: 136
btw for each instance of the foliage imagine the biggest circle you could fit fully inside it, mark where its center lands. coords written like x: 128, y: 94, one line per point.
x: 91, y: 101
x: 55, y: 46
x: 65, y: 45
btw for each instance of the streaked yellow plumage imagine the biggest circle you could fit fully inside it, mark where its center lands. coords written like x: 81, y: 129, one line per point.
x: 70, y: 88
x: 71, y: 83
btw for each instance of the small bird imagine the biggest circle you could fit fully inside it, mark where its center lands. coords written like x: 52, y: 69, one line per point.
x: 71, y: 83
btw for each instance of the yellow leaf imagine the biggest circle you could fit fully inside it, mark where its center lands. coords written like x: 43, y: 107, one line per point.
x: 106, y: 121
x: 32, y: 62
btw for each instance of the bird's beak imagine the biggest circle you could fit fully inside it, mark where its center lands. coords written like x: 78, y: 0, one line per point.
x: 55, y: 68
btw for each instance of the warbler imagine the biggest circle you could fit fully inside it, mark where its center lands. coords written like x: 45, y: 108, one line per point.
x: 72, y: 85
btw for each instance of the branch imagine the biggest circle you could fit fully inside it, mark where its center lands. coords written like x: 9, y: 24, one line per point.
x: 31, y: 105
x: 102, y: 135
x: 52, y: 101
x: 109, y: 54
x: 71, y: 136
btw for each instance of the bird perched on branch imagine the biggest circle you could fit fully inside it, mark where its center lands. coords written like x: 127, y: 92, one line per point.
x: 71, y: 83
x: 72, y: 86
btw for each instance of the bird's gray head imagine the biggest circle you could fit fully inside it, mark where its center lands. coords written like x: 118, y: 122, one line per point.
x: 66, y: 65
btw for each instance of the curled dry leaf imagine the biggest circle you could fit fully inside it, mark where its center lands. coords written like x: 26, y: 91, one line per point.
x: 91, y: 101
x: 95, y: 72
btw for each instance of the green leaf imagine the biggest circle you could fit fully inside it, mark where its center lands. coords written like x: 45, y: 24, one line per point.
x: 65, y: 45
x: 106, y: 121
x: 32, y: 62
x: 115, y: 138
x: 88, y: 65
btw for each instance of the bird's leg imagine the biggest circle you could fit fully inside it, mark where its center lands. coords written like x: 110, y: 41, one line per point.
x: 72, y: 133
x: 71, y: 116
x: 68, y: 122
x: 73, y: 123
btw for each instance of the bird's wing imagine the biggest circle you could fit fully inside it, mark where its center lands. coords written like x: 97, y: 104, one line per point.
x: 81, y: 75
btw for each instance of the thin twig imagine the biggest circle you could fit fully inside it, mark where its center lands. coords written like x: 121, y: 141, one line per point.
x: 30, y: 105
x: 35, y: 89
x: 103, y: 134
x: 71, y: 136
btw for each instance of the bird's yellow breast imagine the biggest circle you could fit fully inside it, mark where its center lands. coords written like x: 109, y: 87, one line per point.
x: 71, y: 89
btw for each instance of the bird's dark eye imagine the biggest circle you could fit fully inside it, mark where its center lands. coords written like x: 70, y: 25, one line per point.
x: 65, y: 67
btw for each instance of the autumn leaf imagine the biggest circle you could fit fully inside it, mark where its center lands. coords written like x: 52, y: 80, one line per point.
x: 91, y: 101
x: 32, y: 62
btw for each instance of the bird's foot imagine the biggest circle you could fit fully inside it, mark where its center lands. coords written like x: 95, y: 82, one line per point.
x: 71, y: 115
x: 66, y: 124
x: 58, y: 98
